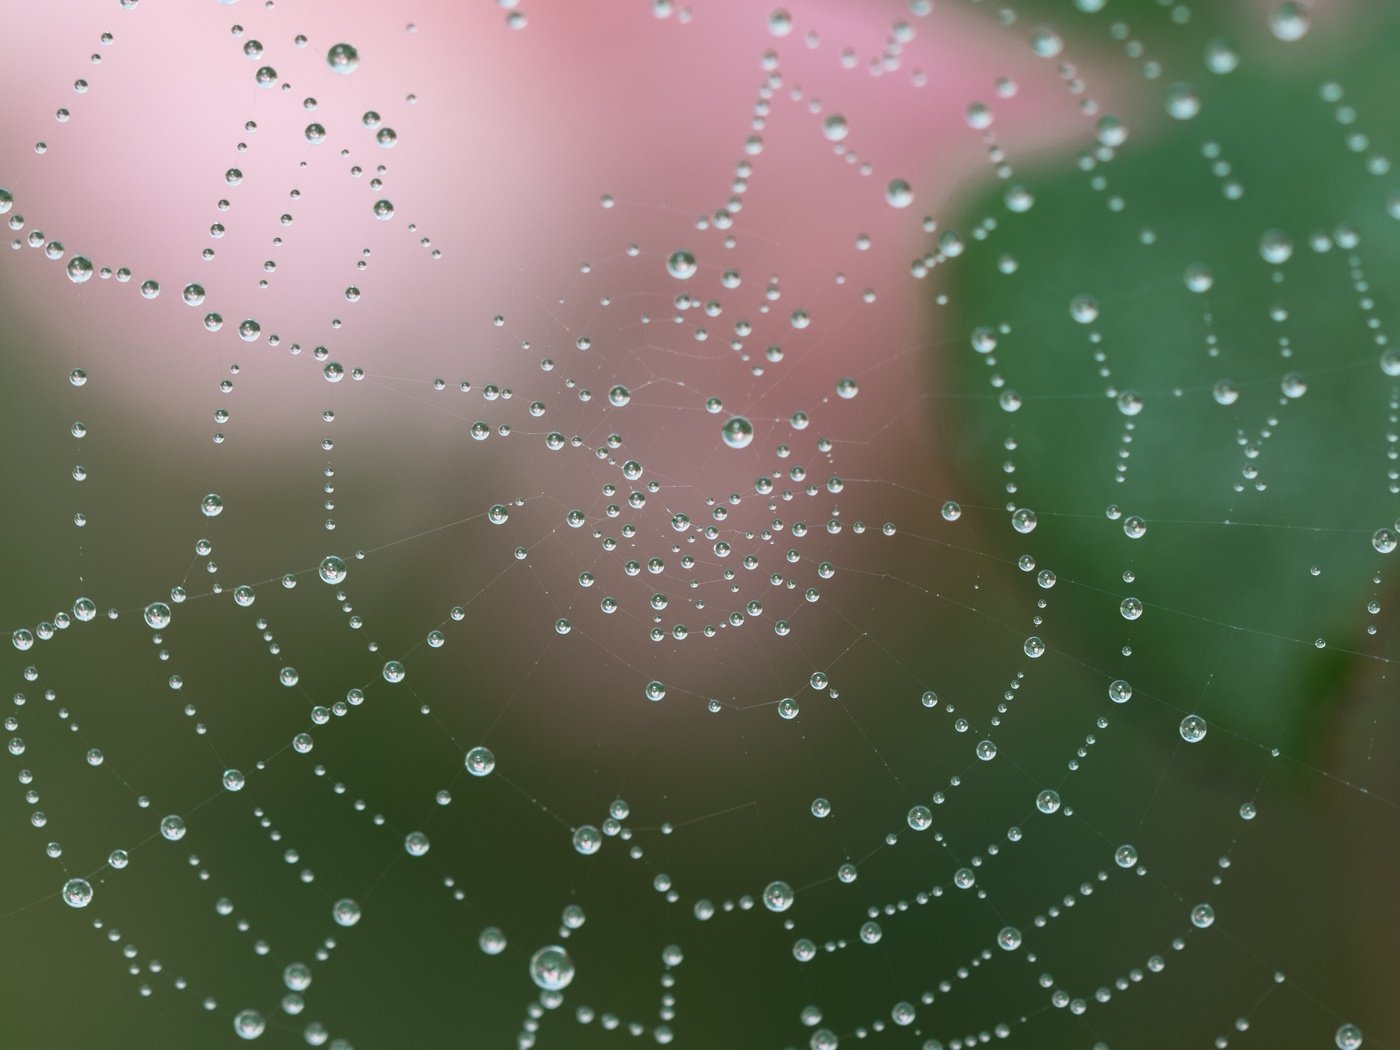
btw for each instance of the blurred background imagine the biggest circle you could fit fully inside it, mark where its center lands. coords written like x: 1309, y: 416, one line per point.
x: 1061, y: 331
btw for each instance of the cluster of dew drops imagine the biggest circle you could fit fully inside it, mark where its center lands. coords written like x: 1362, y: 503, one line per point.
x: 551, y: 967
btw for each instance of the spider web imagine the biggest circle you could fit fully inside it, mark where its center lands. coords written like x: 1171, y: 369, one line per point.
x: 700, y: 524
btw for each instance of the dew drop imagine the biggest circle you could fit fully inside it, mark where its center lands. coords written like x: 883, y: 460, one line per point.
x: 681, y: 265
x: 77, y: 893
x: 551, y: 968
x: 343, y: 59
x: 898, y: 194
x: 778, y: 896
x: 480, y: 761
x: 737, y: 432
x: 248, y: 1024
x: 1289, y: 21
x: 1193, y: 729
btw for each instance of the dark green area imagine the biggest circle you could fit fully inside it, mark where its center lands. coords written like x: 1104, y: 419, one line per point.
x: 1322, y: 457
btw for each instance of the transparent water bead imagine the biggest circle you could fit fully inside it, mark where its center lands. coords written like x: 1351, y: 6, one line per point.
x: 778, y: 896
x: 681, y: 265
x: 248, y: 1024
x: 551, y: 968
x: 343, y: 59
x: 737, y: 432
x: 480, y: 761
x: 77, y: 893
x: 899, y: 194
x: 1193, y: 729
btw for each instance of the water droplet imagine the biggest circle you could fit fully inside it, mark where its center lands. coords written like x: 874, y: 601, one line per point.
x: 248, y: 1024
x: 1198, y: 278
x: 1111, y: 131
x: 738, y: 432
x: 1289, y: 21
x: 332, y: 569
x: 77, y: 893
x: 1046, y: 42
x: 172, y: 828
x: 681, y: 265
x: 1084, y: 309
x: 551, y: 968
x: 899, y: 194
x: 778, y: 896
x: 1182, y: 102
x: 343, y: 59
x: 1221, y: 56
x: 480, y: 761
x: 1275, y: 247
x: 587, y: 840
x: 79, y: 269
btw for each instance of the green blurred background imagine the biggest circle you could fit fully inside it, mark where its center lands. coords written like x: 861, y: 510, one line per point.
x: 1239, y: 573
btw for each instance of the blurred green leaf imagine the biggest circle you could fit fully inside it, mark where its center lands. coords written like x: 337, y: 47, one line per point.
x: 1243, y: 500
